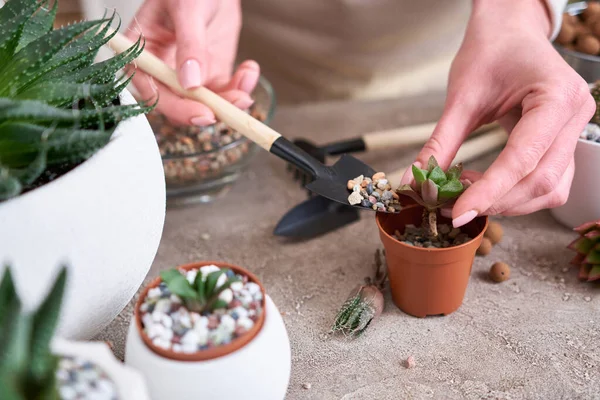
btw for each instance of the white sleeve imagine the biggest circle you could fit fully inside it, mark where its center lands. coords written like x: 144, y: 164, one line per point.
x: 556, y: 9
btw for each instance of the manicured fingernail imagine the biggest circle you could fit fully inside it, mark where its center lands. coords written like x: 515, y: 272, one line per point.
x: 408, y: 175
x: 446, y: 212
x: 190, y: 74
x: 249, y: 80
x: 464, y: 218
x: 243, y: 103
x: 203, y: 120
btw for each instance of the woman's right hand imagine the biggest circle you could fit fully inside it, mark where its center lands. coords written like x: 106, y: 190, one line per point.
x: 199, y: 40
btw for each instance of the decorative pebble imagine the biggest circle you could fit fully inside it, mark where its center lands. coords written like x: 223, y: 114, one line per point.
x: 351, y: 184
x: 485, y: 247
x: 591, y: 132
x: 410, y: 362
x: 306, y: 386
x: 378, y: 176
x: 78, y: 378
x: 418, y: 237
x: 500, y: 272
x: 387, y: 196
x: 494, y: 232
x: 154, y: 293
x: 365, y: 203
x: 355, y: 198
x: 369, y: 188
x: 587, y: 298
x: 172, y: 326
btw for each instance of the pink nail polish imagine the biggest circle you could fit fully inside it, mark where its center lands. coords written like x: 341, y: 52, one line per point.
x: 243, y: 103
x: 464, y: 218
x: 190, y: 75
x: 202, y: 120
x: 248, y: 81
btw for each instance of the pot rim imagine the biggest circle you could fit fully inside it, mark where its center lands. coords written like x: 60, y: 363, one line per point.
x: 429, y: 249
x: 215, y: 352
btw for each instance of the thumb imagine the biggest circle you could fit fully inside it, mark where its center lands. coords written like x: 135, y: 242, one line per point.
x: 191, y: 56
x: 455, y: 124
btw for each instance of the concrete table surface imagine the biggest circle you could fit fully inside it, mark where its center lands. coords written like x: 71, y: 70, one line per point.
x: 535, y: 336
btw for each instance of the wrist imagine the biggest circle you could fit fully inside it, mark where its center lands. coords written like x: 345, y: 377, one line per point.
x: 530, y: 14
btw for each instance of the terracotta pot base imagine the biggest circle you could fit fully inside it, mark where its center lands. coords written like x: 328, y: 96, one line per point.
x: 427, y: 281
x: 214, y: 352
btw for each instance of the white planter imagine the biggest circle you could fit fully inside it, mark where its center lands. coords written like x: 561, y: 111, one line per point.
x: 130, y: 384
x: 583, y: 204
x: 104, y: 218
x: 259, y: 370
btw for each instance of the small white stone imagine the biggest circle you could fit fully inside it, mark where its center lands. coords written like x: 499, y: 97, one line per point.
x: 252, y: 287
x: 144, y: 307
x: 306, y: 386
x: 155, y: 331
x: 202, y: 333
x: 207, y: 269
x: 359, y: 179
x: 222, y: 279
x: 587, y: 298
x: 195, y: 317
x: 105, y: 386
x: 164, y: 344
x: 190, y: 337
x: 205, y: 236
x: 241, y: 311
x: 154, y: 293
x: 246, y: 323
x: 62, y: 374
x: 167, y: 321
x: 226, y: 295
x: 355, y: 198
x: 167, y: 335
x: 177, y: 347
x: 202, y: 322
x: 163, y: 305
x: 147, y: 319
x: 191, y: 275
x: 67, y: 393
x: 175, y: 299
x: 237, y: 286
x: 182, y: 316
x: 157, y: 316
x: 189, y: 348
x: 227, y: 323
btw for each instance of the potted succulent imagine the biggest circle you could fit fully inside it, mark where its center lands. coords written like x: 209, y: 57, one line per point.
x: 201, y: 326
x: 81, y: 177
x: 583, y: 203
x: 36, y: 365
x: 587, y: 247
x: 428, y: 261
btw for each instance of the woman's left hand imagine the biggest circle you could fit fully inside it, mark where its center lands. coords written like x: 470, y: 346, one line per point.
x: 507, y: 70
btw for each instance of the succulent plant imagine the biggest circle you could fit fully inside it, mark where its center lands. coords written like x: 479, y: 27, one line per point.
x: 57, y: 107
x: 203, y: 294
x: 434, y: 189
x: 587, y: 246
x: 364, y: 304
x: 596, y: 95
x: 27, y: 366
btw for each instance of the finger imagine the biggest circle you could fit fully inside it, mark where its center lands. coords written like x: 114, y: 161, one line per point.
x: 238, y: 98
x: 178, y: 110
x: 245, y: 77
x: 549, y: 172
x: 529, y: 141
x: 456, y: 122
x: 551, y: 200
x: 189, y: 18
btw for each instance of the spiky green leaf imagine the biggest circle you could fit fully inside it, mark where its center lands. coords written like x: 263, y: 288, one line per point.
x: 594, y: 273
x: 13, y: 17
x: 454, y: 172
x: 39, y: 24
x: 451, y: 189
x: 438, y: 176
x: 419, y: 174
x: 199, y: 287
x: 211, y: 282
x: 432, y: 163
x: 178, y: 284
x: 9, y: 185
x: 8, y: 294
x: 219, y: 304
x: 45, y: 321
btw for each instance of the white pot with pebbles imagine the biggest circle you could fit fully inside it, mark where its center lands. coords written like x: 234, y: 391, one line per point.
x: 201, y: 327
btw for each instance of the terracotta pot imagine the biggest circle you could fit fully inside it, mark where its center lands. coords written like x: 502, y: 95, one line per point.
x: 427, y: 281
x: 215, y: 352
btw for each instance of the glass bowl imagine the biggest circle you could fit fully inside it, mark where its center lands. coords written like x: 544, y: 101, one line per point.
x: 202, y: 163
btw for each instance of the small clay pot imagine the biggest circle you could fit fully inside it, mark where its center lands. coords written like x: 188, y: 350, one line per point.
x: 215, y: 352
x: 427, y: 281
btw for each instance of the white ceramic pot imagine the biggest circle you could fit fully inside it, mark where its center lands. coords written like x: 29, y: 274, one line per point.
x: 259, y: 370
x: 130, y: 384
x: 104, y: 218
x: 583, y: 204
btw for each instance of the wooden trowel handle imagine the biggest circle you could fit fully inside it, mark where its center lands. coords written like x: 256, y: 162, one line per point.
x: 239, y: 120
x: 470, y: 150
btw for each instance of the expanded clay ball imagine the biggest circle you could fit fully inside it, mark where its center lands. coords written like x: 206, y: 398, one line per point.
x: 592, y: 9
x: 494, y: 232
x: 500, y: 272
x: 485, y: 247
x: 588, y: 44
x: 596, y: 29
x: 566, y: 35
x: 570, y: 19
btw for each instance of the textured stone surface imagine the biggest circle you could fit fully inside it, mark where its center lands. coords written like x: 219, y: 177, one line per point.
x: 523, y: 338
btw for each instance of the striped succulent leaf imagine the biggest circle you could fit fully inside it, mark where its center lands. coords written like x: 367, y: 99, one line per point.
x: 57, y: 106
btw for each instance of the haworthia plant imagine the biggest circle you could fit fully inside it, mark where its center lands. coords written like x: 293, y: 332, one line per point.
x: 57, y: 106
x: 27, y: 366
x: 435, y: 188
x: 203, y: 294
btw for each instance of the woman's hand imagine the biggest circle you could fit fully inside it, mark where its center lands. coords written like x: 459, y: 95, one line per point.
x: 199, y: 40
x: 507, y: 70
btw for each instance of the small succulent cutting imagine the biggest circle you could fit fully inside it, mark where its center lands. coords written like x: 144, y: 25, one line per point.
x: 203, y: 294
x: 27, y: 367
x: 587, y: 246
x: 57, y: 107
x: 364, y: 304
x: 434, y: 189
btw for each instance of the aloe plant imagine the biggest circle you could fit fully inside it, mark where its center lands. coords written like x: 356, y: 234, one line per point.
x: 27, y: 366
x: 57, y: 106
x: 435, y: 188
x: 203, y: 294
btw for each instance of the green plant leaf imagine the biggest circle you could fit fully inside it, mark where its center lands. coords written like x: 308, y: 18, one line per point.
x: 199, y: 286
x: 39, y: 24
x: 407, y: 190
x: 455, y: 172
x: 432, y: 163
x: 211, y: 282
x: 13, y: 16
x: 178, y: 284
x: 45, y: 321
x: 9, y: 185
x: 8, y: 295
x: 429, y: 192
x: 451, y: 189
x: 419, y: 174
x: 219, y: 304
x: 438, y: 176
